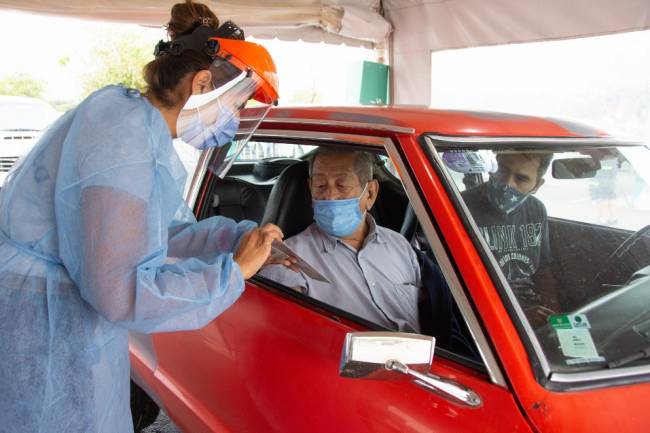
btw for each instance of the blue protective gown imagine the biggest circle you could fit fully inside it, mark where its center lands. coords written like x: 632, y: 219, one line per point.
x: 96, y: 240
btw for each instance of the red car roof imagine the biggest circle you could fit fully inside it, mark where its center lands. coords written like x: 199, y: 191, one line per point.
x: 442, y: 122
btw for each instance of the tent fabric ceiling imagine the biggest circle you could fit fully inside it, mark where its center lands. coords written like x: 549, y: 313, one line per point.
x: 420, y: 26
x: 354, y: 22
x: 424, y: 26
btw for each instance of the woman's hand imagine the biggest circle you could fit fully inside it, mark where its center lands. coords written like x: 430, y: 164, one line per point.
x: 254, y: 248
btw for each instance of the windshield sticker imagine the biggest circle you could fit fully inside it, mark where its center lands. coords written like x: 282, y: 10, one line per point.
x: 575, y: 339
x: 577, y: 343
x: 569, y: 321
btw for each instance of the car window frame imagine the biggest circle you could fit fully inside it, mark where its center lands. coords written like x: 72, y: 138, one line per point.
x: 434, y: 237
x: 430, y: 142
x: 490, y: 366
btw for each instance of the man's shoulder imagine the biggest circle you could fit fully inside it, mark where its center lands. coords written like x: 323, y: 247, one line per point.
x: 392, y: 237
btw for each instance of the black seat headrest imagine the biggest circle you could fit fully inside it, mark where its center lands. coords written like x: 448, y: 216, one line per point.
x: 238, y: 200
x: 289, y: 204
x: 269, y: 168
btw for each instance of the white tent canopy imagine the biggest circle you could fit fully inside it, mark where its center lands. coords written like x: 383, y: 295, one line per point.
x: 420, y: 26
x: 424, y: 26
x: 355, y: 22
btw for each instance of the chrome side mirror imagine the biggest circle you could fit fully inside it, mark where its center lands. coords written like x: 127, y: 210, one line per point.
x: 365, y: 354
x: 379, y: 355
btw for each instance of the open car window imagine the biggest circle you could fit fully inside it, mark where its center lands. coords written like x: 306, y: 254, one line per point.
x: 566, y: 228
x: 391, y: 282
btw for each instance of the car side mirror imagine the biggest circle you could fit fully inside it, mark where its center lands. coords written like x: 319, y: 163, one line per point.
x: 365, y: 353
x: 380, y: 355
x: 575, y: 168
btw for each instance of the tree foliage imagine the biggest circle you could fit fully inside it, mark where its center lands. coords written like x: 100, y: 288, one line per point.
x: 21, y: 85
x: 117, y: 58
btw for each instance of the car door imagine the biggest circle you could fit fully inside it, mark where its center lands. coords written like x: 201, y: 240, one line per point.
x: 271, y: 362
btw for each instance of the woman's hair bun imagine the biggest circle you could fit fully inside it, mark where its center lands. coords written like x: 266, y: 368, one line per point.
x: 186, y: 16
x: 164, y: 74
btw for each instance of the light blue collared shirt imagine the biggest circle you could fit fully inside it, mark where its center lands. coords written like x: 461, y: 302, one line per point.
x: 378, y: 283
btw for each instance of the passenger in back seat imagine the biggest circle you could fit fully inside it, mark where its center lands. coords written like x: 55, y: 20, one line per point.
x: 374, y: 272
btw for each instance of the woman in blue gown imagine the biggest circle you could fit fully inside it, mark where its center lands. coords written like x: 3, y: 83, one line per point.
x: 96, y: 240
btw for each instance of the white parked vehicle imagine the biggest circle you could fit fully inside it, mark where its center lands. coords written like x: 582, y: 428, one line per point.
x: 22, y: 120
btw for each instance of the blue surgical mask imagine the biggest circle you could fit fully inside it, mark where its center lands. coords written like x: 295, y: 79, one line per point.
x: 221, y: 132
x: 504, y: 197
x: 339, y: 218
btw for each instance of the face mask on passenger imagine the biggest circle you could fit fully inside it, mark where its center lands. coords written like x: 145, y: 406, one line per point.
x: 339, y: 218
x: 504, y: 197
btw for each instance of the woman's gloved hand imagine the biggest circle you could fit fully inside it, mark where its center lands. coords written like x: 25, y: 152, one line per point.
x: 255, y: 247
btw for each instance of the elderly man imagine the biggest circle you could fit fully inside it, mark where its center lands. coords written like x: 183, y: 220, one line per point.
x: 515, y: 226
x: 373, y: 271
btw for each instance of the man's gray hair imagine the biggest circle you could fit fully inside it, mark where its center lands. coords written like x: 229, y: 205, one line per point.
x: 363, y: 162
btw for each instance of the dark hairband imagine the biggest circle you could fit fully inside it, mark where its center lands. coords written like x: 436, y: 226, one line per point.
x: 198, y: 39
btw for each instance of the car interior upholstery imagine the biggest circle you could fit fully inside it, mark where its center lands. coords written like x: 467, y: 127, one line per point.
x: 238, y: 200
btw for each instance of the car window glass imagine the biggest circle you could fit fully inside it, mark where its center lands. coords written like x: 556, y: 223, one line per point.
x: 390, y: 280
x: 568, y: 230
x: 389, y: 166
x: 616, y: 196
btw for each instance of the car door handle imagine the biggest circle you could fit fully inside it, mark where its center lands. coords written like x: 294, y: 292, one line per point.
x: 438, y: 384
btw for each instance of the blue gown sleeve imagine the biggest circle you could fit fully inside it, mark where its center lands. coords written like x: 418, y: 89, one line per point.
x: 215, y: 234
x: 117, y: 195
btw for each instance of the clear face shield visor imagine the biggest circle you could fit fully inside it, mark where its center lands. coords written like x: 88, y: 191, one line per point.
x: 212, y: 119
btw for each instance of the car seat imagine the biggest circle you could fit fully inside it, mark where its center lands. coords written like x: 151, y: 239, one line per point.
x: 289, y: 204
x: 239, y: 200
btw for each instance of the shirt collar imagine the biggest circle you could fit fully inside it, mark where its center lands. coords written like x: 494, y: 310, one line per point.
x: 330, y: 242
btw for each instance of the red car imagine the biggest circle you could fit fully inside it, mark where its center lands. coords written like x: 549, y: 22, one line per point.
x: 572, y: 354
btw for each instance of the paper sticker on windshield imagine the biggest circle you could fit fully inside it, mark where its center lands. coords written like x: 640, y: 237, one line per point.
x: 569, y: 321
x: 577, y: 343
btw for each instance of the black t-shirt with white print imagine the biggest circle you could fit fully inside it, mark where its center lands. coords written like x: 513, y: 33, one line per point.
x: 519, y: 240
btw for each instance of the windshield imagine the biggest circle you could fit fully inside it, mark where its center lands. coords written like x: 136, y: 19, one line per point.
x: 567, y: 228
x: 25, y: 116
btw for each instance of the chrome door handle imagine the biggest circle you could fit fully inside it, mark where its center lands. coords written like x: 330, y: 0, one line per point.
x: 437, y: 384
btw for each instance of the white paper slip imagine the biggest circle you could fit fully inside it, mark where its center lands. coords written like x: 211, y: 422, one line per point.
x: 280, y: 251
x: 577, y: 343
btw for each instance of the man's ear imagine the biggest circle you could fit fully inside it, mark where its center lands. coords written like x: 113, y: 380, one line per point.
x: 540, y: 182
x: 373, y: 190
x: 201, y: 82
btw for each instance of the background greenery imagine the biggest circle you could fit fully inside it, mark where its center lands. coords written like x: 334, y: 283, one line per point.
x: 117, y: 57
